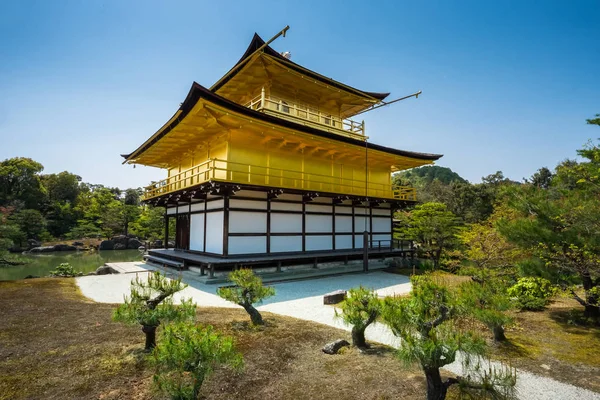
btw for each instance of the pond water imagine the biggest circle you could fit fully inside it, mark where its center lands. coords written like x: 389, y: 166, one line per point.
x: 42, y: 264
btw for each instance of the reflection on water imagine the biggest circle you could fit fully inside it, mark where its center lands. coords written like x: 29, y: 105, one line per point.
x: 41, y: 265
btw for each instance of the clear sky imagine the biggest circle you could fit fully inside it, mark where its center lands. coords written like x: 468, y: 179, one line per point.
x: 507, y: 85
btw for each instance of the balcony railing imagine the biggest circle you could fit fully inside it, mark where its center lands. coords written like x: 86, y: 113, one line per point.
x: 227, y: 171
x: 306, y: 115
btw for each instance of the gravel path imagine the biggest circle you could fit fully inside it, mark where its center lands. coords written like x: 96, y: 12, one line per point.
x: 304, y: 300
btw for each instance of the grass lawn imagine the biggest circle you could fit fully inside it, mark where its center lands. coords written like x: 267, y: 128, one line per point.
x: 55, y: 344
x: 554, y: 343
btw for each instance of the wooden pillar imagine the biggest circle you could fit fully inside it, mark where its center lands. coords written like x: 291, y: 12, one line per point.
x: 278, y: 266
x: 225, y: 225
x: 166, y: 228
x: 268, y: 225
x: 211, y: 270
x: 303, y: 226
x: 365, y: 251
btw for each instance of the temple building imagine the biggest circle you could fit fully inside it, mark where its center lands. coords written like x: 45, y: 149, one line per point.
x: 268, y: 162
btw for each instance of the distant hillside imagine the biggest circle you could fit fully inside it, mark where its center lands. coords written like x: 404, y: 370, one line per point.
x: 423, y: 176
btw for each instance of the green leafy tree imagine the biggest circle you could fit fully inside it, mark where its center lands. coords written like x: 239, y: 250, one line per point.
x: 248, y: 290
x: 594, y: 121
x: 433, y: 227
x: 542, y: 178
x: 150, y: 224
x: 9, y: 234
x: 187, y: 355
x: 20, y: 183
x: 63, y: 187
x: 65, y: 270
x: 532, y: 293
x: 432, y: 337
x: 30, y: 222
x: 360, y: 309
x: 150, y: 303
x: 488, y: 303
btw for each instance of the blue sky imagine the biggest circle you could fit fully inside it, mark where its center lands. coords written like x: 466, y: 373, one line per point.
x: 507, y: 85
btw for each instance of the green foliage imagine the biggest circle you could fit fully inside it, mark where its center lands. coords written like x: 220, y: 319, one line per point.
x: 150, y: 303
x: 532, y: 293
x: 433, y: 228
x: 422, y: 176
x: 30, y: 222
x: 188, y: 354
x: 65, y: 270
x: 360, y: 309
x: 150, y: 224
x: 20, y: 183
x: 487, y: 302
x: 432, y: 337
x: 248, y: 290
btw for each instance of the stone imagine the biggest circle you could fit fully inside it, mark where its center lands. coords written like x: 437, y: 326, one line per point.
x: 42, y: 249
x: 64, y: 247
x: 31, y: 277
x: 134, y: 244
x: 171, y: 244
x: 334, y: 297
x: 120, y: 246
x: 157, y: 244
x: 77, y: 243
x: 120, y: 239
x: 33, y: 243
x: 334, y: 347
x: 106, y: 270
x: 106, y: 245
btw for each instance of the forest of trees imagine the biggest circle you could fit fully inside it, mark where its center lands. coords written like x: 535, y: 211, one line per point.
x: 46, y: 207
x: 547, y: 226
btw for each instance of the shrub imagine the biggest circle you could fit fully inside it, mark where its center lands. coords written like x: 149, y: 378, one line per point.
x: 249, y: 290
x: 360, y: 310
x: 187, y: 354
x: 532, y: 293
x: 65, y: 270
x: 151, y: 303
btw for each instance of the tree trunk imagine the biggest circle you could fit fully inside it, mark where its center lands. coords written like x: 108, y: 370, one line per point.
x: 498, y: 333
x: 358, y: 337
x: 150, y: 331
x: 592, y: 308
x: 436, y: 389
x: 254, y: 314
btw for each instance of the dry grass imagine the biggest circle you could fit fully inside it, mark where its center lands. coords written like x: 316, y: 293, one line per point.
x: 555, y: 344
x: 55, y: 345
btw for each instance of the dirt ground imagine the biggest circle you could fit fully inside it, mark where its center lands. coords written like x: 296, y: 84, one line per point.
x: 55, y: 344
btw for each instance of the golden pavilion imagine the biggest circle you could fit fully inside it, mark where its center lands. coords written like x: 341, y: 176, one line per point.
x: 268, y: 162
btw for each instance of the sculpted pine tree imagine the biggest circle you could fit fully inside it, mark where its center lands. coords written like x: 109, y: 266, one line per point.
x: 151, y: 302
x: 487, y: 302
x: 248, y: 290
x: 361, y: 309
x: 426, y: 321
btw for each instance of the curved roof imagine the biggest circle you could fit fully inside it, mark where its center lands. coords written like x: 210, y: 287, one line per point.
x: 257, y: 42
x: 198, y: 92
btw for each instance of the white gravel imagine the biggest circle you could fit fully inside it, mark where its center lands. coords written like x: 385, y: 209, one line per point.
x: 304, y: 300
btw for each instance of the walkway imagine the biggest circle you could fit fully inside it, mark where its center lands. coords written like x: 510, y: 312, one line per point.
x: 304, y: 300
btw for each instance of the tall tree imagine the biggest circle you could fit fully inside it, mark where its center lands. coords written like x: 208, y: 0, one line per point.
x: 432, y: 226
x: 20, y: 183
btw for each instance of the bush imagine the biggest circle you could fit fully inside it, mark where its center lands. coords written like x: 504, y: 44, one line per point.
x: 532, y: 293
x: 65, y: 270
x: 187, y: 354
x: 249, y: 290
x: 361, y: 309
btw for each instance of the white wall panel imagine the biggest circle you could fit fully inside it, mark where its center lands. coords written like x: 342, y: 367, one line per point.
x: 183, y: 209
x: 319, y: 223
x: 286, y: 223
x: 318, y: 208
x: 343, y: 210
x: 198, y: 206
x: 214, y: 232
x: 343, y: 223
x: 358, y: 241
x: 247, y: 222
x: 319, y: 243
x: 382, y: 237
x: 172, y: 211
x: 286, y: 206
x: 286, y: 243
x: 294, y: 197
x: 254, y: 204
x: 211, y: 205
x: 343, y: 242
x: 359, y: 224
x: 247, y: 244
x: 378, y: 211
x: 382, y: 224
x: 197, y: 232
